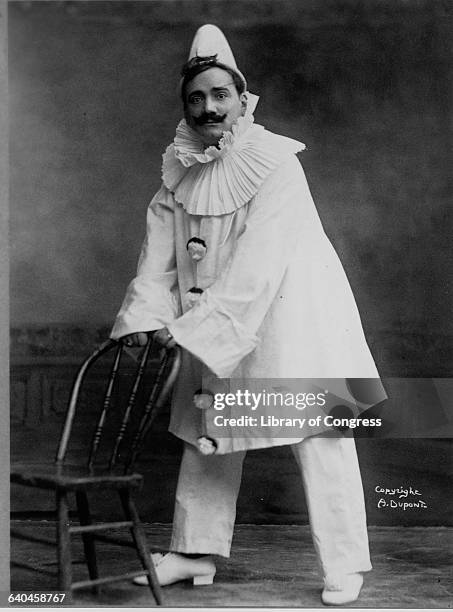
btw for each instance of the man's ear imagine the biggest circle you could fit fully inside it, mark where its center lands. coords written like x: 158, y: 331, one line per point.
x: 243, y: 99
x: 187, y: 117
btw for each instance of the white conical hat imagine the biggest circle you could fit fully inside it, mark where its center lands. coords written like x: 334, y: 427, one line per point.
x: 210, y: 40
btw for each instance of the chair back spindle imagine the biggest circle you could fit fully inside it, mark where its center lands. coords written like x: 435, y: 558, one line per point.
x: 130, y: 403
x: 74, y: 397
x: 168, y: 370
x: 105, y: 407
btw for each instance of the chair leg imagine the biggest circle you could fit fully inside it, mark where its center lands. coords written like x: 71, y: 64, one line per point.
x: 89, y: 547
x: 64, y: 545
x: 139, y: 537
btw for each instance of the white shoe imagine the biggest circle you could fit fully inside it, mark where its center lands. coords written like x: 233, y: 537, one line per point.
x: 341, y: 590
x: 173, y: 567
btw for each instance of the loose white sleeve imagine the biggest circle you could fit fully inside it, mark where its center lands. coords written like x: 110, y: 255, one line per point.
x: 150, y: 302
x: 221, y: 329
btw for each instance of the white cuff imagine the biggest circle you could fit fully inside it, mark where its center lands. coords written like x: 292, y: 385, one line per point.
x: 214, y: 336
x: 147, y: 306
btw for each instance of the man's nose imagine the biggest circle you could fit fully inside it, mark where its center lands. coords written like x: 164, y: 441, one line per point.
x: 210, y: 105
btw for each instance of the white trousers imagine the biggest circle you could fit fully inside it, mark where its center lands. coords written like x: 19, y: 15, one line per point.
x: 208, y: 487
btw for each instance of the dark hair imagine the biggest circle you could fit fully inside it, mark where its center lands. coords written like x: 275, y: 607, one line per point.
x: 199, y: 64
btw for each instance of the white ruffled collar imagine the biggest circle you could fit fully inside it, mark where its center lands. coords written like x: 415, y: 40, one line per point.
x: 189, y: 148
x: 219, y: 180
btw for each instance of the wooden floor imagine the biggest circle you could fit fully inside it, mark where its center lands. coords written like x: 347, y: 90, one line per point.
x: 270, y: 566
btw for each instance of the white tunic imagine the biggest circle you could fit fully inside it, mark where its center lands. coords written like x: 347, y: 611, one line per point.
x: 276, y: 302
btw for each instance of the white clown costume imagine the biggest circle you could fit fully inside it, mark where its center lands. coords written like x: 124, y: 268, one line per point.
x: 237, y: 266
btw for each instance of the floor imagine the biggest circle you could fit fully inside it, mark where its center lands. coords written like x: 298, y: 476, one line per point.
x: 270, y: 566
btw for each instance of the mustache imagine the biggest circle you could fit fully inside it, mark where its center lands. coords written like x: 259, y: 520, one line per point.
x: 208, y: 117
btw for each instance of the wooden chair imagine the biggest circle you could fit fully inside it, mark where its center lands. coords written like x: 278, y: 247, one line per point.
x: 111, y: 469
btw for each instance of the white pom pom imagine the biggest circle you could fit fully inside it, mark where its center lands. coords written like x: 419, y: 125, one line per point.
x: 204, y: 400
x: 192, y: 296
x: 206, y: 446
x: 196, y: 250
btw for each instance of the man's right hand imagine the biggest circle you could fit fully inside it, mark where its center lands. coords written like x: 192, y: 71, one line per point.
x: 137, y: 339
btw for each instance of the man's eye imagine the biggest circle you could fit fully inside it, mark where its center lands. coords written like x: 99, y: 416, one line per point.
x: 221, y: 96
x: 195, y: 100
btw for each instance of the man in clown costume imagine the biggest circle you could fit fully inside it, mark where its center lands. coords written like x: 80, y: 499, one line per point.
x: 237, y: 270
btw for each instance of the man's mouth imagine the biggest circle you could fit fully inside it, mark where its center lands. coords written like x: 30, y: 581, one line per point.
x: 203, y: 120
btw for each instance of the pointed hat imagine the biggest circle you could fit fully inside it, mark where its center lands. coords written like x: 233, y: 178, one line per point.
x: 210, y: 41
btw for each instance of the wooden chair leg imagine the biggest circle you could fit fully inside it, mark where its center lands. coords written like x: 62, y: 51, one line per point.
x: 64, y: 545
x: 89, y: 547
x: 139, y: 537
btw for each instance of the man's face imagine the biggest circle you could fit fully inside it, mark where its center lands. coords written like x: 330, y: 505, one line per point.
x: 213, y: 104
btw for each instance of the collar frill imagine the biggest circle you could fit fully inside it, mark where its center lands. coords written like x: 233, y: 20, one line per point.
x: 219, y: 180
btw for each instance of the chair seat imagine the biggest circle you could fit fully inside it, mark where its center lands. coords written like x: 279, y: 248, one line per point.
x: 71, y: 477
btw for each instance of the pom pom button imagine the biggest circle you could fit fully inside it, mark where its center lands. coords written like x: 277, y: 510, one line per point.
x: 203, y: 399
x: 196, y: 247
x: 206, y: 446
x: 192, y: 296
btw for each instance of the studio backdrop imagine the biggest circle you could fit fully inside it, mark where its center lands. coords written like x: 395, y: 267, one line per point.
x: 93, y: 104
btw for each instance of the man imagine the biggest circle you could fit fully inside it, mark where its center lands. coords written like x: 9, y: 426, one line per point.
x: 237, y: 270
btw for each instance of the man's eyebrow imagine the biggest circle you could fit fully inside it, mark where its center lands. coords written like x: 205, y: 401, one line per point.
x: 218, y: 88
x: 222, y: 86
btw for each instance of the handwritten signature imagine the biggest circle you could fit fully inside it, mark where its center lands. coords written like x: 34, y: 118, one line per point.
x: 390, y: 497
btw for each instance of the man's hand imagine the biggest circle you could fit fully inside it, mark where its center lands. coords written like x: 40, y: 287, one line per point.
x: 137, y: 339
x: 162, y: 336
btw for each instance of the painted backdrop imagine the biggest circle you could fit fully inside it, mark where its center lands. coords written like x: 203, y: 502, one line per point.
x: 93, y: 103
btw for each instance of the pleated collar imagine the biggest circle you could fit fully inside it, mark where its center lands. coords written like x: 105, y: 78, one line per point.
x: 219, y: 180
